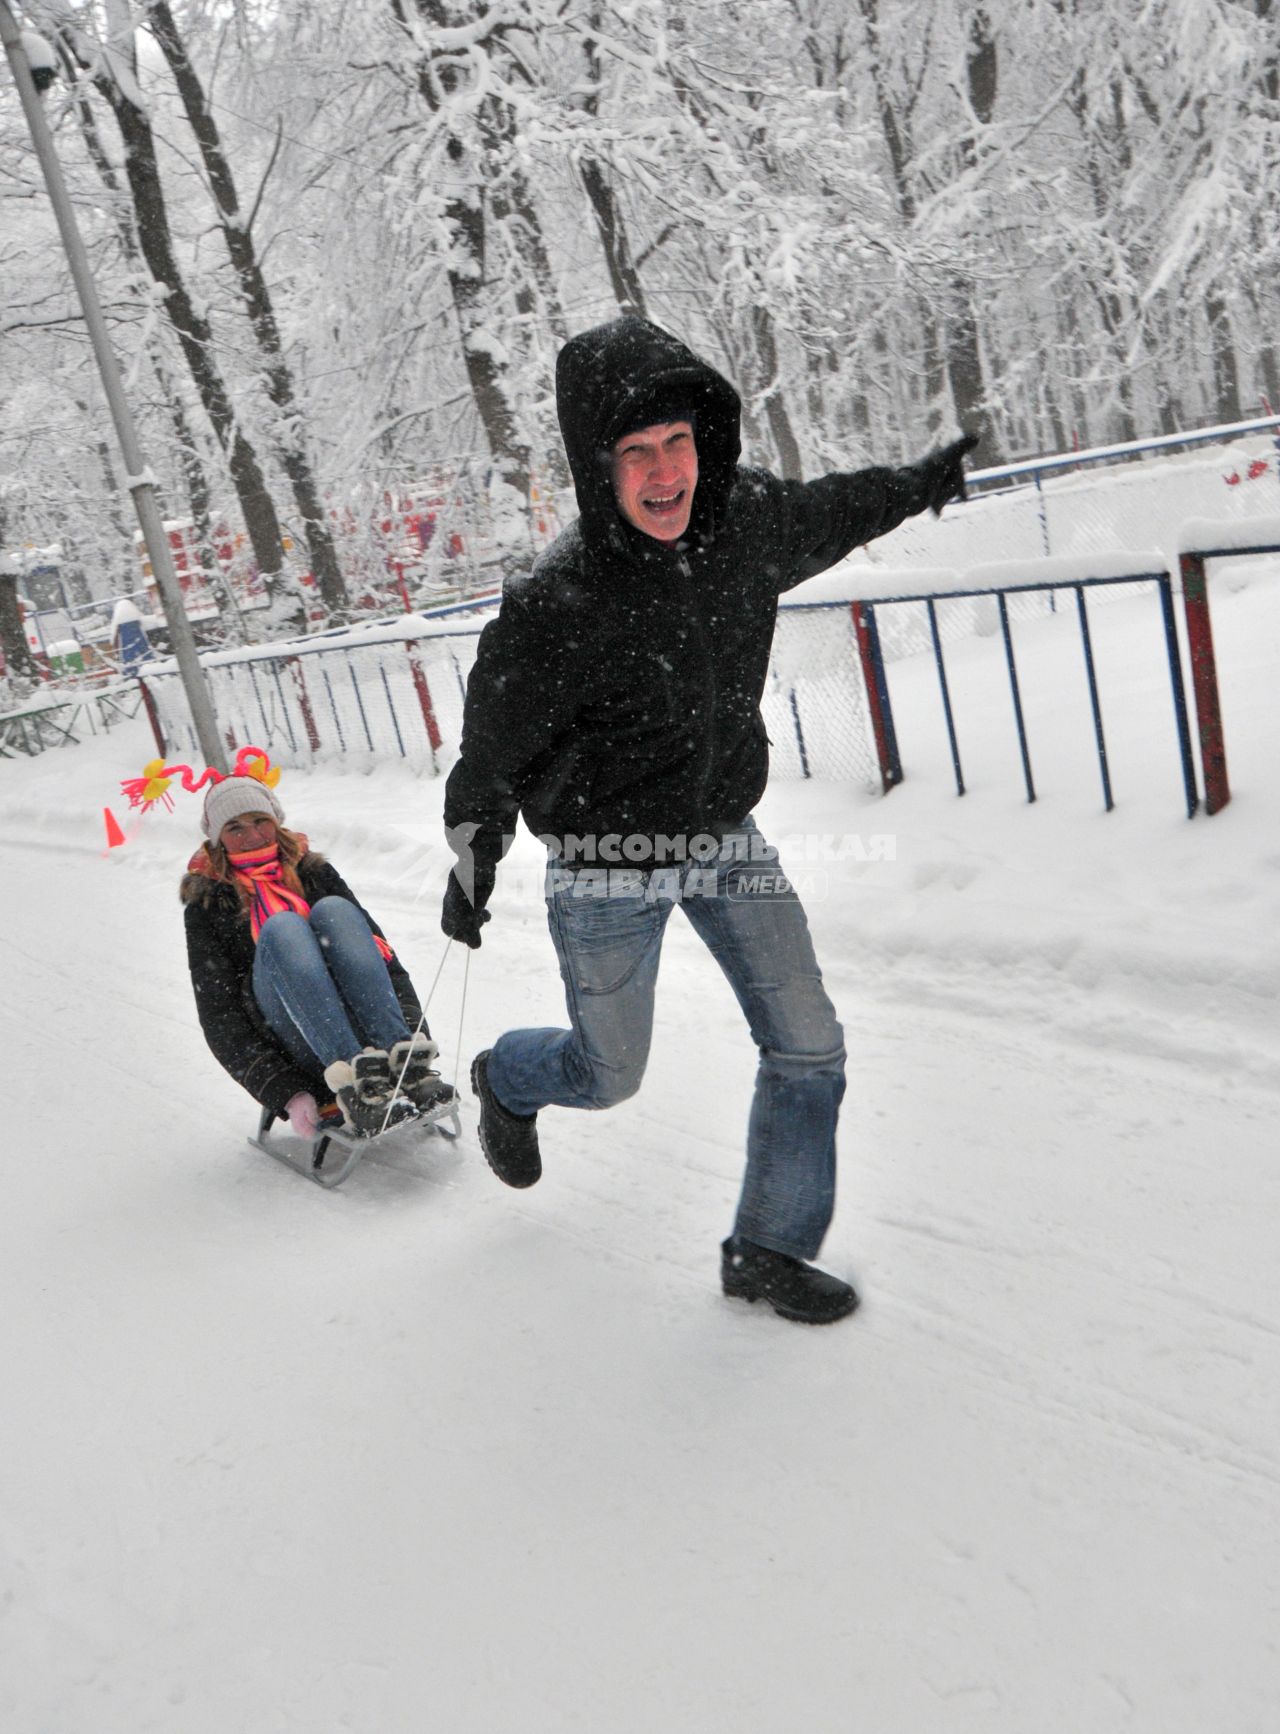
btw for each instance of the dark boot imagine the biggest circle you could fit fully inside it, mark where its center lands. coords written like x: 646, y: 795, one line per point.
x: 414, y: 1076
x: 793, y: 1289
x: 509, y: 1141
x: 371, y: 1068
x: 362, y: 1089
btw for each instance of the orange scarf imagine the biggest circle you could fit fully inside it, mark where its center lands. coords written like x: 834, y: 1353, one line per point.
x: 260, y: 874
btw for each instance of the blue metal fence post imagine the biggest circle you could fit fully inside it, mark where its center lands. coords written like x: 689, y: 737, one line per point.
x: 1087, y: 642
x: 1044, y: 516
x: 333, y: 706
x: 395, y: 720
x: 795, y: 718
x: 284, y: 704
x: 1181, y: 719
x: 946, y: 696
x: 355, y: 687
x: 268, y: 733
x: 1017, y: 696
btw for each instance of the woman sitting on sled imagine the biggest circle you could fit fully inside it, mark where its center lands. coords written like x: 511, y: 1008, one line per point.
x: 299, y: 995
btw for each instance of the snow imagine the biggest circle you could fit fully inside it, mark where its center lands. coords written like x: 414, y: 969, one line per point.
x: 429, y: 1453
x: 1104, y: 454
x: 1198, y: 535
x: 124, y: 613
x: 852, y: 582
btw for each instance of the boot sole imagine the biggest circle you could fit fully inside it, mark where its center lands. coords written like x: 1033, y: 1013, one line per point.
x: 748, y: 1292
x: 384, y: 1124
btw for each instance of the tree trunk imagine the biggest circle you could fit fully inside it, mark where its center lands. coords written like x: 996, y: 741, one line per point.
x: 770, y: 396
x: 512, y: 209
x: 1226, y: 372
x: 965, y: 371
x: 130, y: 575
x: 194, y: 335
x: 623, y: 275
x: 21, y: 668
x: 196, y: 339
x: 512, y: 206
x: 898, y: 145
x: 256, y: 296
x: 469, y: 289
x: 486, y: 375
x: 1111, y: 308
x: 624, y: 279
x: 189, y: 459
x: 20, y: 665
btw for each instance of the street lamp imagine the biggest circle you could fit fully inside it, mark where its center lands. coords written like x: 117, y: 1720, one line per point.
x: 34, y: 68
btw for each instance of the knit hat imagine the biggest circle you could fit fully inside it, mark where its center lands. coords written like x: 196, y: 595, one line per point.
x: 234, y: 796
x: 652, y: 409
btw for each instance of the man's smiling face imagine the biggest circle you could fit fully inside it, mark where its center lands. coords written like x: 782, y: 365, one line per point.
x: 655, y: 470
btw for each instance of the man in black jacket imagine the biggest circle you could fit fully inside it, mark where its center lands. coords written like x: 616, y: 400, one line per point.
x: 615, y: 705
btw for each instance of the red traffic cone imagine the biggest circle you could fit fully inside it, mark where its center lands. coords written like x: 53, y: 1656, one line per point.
x: 115, y: 836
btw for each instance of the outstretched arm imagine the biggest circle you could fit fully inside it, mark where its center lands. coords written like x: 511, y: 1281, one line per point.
x: 826, y: 519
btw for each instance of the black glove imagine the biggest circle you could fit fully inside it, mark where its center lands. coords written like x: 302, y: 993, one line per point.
x: 941, y: 474
x: 462, y: 917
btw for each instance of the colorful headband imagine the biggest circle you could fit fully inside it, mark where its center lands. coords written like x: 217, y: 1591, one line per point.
x: 153, y: 784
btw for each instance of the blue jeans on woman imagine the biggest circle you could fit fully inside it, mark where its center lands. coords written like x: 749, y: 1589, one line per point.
x: 322, y: 985
x: 607, y: 926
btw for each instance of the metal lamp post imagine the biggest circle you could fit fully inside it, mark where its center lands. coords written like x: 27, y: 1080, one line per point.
x: 140, y: 481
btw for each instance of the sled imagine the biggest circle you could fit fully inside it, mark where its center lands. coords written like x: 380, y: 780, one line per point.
x: 334, y: 1154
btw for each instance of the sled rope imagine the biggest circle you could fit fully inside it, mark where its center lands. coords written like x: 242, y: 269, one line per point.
x: 422, y: 1018
x: 462, y: 1012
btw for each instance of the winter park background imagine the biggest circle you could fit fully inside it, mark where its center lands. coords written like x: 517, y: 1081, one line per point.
x: 427, y: 1453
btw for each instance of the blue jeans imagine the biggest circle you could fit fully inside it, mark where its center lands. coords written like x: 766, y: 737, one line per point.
x: 321, y: 984
x: 608, y: 942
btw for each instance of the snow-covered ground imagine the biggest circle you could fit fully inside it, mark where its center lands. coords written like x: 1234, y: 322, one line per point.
x: 429, y: 1454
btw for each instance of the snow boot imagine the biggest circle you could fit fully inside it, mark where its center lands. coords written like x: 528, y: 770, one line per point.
x: 412, y: 1073
x: 509, y: 1141
x: 793, y: 1289
x: 362, y: 1089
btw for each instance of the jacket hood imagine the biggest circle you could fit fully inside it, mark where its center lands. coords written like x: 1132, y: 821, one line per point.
x: 607, y: 380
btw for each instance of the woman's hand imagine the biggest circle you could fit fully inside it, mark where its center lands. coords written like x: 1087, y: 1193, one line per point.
x: 304, y: 1115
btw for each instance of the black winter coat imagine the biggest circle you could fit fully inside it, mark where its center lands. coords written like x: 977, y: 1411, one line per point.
x: 618, y: 690
x: 220, y: 950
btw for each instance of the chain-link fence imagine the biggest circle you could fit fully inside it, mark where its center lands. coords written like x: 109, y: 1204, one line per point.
x: 815, y: 700
x: 1135, y: 504
x: 386, y: 697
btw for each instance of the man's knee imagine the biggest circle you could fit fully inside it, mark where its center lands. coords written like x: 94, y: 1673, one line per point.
x: 599, y: 1085
x: 796, y: 1064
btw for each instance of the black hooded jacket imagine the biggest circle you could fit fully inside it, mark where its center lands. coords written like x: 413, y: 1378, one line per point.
x: 618, y: 691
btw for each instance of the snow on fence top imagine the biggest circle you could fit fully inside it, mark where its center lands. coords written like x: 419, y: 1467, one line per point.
x: 1228, y: 535
x: 849, y: 583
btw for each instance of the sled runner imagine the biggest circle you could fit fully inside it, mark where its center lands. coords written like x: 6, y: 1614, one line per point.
x: 334, y: 1155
